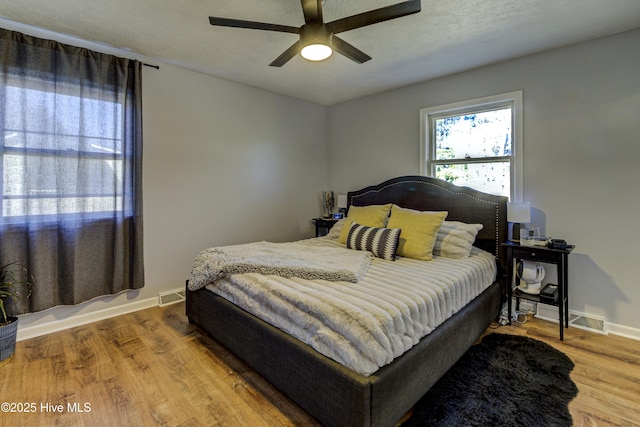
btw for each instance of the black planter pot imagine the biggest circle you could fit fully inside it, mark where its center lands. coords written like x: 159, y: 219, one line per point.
x: 8, y: 335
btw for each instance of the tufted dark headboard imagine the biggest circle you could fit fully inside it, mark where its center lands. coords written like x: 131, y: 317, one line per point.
x: 431, y: 194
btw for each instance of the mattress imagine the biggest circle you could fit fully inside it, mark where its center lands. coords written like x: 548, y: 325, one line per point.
x: 363, y: 325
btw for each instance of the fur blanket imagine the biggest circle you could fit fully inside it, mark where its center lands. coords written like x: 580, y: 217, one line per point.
x: 282, y: 259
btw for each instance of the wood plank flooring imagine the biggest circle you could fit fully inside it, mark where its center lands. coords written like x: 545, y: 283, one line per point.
x: 152, y: 368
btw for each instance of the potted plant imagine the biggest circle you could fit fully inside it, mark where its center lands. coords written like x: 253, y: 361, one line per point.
x: 10, y: 286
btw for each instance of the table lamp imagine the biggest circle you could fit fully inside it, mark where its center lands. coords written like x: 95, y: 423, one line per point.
x: 518, y: 213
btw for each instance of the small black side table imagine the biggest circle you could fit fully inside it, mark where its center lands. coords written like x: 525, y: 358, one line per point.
x: 560, y: 257
x: 323, y: 225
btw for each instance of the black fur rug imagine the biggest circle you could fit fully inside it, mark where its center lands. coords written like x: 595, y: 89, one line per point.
x: 506, y: 380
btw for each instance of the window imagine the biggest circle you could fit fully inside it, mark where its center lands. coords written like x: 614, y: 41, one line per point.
x: 64, y: 157
x: 476, y: 143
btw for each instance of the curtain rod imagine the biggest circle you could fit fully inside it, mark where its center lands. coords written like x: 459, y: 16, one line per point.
x: 157, y: 67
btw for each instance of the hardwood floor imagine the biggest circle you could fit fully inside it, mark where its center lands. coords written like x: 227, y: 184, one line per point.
x: 152, y: 368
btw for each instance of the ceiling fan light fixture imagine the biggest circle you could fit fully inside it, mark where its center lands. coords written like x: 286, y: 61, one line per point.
x: 316, y: 52
x: 315, y: 40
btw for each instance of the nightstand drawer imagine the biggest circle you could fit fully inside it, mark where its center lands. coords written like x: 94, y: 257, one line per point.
x: 535, y: 254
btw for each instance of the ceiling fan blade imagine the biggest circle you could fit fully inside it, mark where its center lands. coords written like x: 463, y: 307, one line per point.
x: 312, y: 10
x: 238, y: 23
x: 374, y: 16
x: 348, y: 50
x: 286, y: 55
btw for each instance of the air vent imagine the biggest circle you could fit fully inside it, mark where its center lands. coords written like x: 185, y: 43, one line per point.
x: 171, y: 297
x: 578, y: 320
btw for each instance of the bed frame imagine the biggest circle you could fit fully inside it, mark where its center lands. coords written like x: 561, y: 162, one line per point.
x: 333, y: 394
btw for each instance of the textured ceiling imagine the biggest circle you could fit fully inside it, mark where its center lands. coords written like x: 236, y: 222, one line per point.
x: 447, y: 36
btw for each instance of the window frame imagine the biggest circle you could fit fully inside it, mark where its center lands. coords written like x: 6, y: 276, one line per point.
x: 428, y: 116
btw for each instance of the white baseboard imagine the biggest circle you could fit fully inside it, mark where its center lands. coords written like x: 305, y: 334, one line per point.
x: 624, y: 331
x: 83, y: 319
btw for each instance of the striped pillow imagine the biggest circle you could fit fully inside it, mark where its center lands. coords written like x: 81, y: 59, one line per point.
x: 382, y: 242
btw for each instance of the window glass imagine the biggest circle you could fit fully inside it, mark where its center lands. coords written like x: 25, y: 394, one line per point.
x: 475, y: 144
x: 486, y: 134
x: 492, y: 178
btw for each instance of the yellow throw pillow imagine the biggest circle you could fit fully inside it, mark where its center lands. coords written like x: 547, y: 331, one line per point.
x: 419, y: 231
x: 370, y: 216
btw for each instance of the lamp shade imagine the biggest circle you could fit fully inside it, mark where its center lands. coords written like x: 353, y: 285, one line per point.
x: 342, y: 201
x: 519, y: 212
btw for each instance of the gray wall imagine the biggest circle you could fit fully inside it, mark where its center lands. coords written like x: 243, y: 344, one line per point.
x: 223, y: 164
x: 581, y: 152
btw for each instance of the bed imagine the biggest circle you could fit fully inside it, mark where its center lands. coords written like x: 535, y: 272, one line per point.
x: 334, y: 394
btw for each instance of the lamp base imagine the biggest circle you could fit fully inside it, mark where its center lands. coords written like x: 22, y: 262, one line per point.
x: 515, y: 232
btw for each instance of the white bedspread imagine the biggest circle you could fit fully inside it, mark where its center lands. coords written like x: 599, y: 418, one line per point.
x: 363, y: 325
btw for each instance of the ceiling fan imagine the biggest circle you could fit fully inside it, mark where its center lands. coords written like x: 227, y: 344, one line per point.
x: 317, y: 38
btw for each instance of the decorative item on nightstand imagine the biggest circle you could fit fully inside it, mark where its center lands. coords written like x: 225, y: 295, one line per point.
x: 531, y: 237
x: 518, y: 213
x: 327, y: 204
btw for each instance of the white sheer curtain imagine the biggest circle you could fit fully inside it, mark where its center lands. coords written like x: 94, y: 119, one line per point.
x: 71, y: 170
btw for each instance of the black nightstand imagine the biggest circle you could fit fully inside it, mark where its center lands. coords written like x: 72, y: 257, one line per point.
x: 560, y: 257
x: 323, y: 225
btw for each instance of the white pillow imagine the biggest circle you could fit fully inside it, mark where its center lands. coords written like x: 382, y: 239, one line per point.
x: 455, y: 239
x: 335, y: 231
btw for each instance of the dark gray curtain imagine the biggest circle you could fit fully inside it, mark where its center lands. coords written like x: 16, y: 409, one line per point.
x: 71, y: 170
